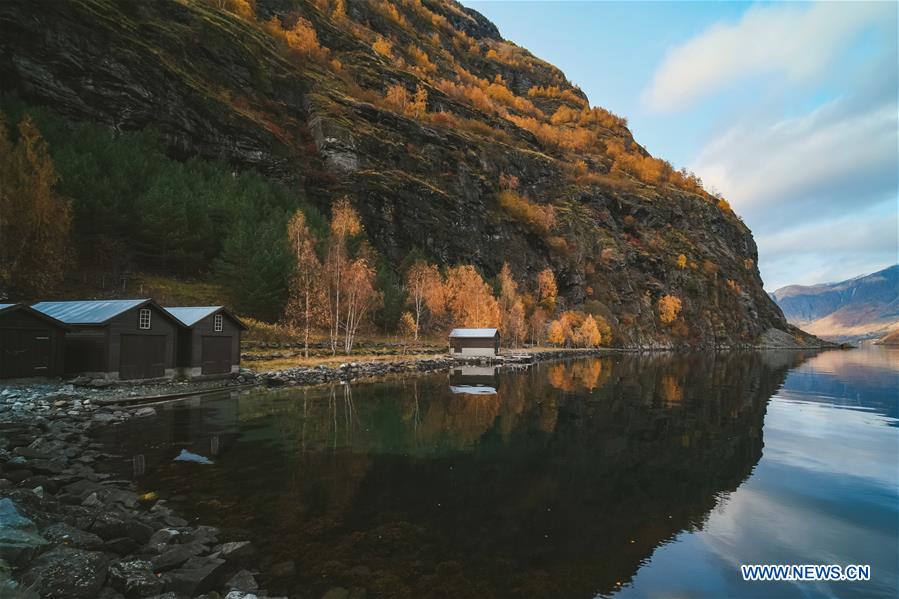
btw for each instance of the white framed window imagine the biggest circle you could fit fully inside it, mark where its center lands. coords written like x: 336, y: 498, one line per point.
x: 219, y: 323
x: 143, y: 318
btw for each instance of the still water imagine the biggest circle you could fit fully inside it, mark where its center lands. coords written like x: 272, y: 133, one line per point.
x: 633, y: 476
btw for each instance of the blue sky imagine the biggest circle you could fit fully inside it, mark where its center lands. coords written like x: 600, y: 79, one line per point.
x: 788, y: 109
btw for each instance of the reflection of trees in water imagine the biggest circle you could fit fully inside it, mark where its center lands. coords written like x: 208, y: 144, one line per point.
x: 566, y: 490
x: 558, y: 485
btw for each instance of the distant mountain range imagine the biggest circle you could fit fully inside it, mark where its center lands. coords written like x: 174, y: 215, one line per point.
x: 861, y: 308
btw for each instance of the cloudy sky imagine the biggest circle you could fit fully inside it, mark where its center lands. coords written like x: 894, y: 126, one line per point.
x: 788, y: 109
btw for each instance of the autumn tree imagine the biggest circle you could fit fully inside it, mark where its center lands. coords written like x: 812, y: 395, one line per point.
x: 302, y: 38
x: 669, y: 308
x: 588, y: 335
x: 470, y: 300
x: 537, y: 325
x: 547, y: 291
x: 35, y: 221
x: 360, y: 297
x: 384, y: 47
x: 419, y: 104
x: 407, y: 329
x: 511, y: 308
x: 397, y: 97
x: 339, y: 12
x: 422, y: 279
x: 682, y: 261
x: 306, y: 298
x: 345, y: 223
x: 436, y: 298
x: 556, y: 333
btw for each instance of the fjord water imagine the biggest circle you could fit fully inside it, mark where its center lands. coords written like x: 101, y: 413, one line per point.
x: 630, y: 475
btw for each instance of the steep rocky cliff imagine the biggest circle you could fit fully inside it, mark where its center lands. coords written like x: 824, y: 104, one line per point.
x: 246, y: 86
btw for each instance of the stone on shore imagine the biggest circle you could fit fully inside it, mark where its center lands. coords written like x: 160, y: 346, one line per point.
x: 134, y: 578
x: 68, y: 573
x: 19, y: 539
x: 198, y: 575
x: 63, y: 534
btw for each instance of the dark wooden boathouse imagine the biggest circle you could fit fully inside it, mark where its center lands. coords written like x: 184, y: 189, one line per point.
x: 116, y: 339
x: 208, y: 341
x: 31, y: 343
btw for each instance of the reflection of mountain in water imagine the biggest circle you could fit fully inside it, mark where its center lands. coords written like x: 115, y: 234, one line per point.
x: 867, y: 377
x: 560, y: 484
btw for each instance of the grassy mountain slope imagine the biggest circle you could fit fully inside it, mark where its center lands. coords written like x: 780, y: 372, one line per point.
x: 500, y: 158
x: 862, y: 307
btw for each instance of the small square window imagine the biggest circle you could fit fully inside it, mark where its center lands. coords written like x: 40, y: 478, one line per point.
x: 219, y: 323
x: 143, y: 319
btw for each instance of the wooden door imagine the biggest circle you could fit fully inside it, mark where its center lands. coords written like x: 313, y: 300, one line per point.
x: 25, y: 352
x: 216, y: 355
x: 142, y: 357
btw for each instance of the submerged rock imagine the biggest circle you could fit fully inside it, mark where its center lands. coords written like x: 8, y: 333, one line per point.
x: 186, y: 456
x: 243, y: 581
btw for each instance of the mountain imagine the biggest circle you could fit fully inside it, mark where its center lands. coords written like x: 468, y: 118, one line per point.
x: 863, y: 307
x: 453, y: 144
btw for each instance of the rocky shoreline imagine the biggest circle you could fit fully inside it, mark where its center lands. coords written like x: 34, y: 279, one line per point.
x: 67, y: 529
x: 352, y: 371
x: 70, y: 530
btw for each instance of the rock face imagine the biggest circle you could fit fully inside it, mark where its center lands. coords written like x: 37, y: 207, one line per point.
x: 865, y: 306
x: 217, y: 86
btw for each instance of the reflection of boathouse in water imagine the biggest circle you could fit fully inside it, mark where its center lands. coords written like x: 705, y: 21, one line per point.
x: 474, y: 380
x: 203, y: 426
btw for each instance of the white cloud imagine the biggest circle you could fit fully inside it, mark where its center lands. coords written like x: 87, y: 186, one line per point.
x: 798, y: 43
x: 829, y: 161
x: 831, y: 250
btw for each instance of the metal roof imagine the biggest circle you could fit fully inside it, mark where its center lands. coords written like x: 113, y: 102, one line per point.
x: 191, y: 315
x: 87, y: 312
x: 473, y: 333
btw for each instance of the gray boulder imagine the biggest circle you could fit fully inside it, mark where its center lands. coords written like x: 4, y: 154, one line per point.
x: 134, y: 578
x: 19, y: 539
x: 197, y: 576
x: 67, y: 573
x: 63, y: 534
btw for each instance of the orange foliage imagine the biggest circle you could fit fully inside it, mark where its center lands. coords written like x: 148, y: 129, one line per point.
x: 390, y: 11
x: 547, y: 290
x: 421, y: 59
x: 557, y: 244
x: 570, y: 138
x: 301, y: 38
x: 681, y: 261
x: 748, y: 263
x: 469, y: 299
x: 339, y: 12
x: 587, y: 335
x: 650, y: 170
x: 669, y: 308
x: 555, y: 92
x: 397, y: 97
x: 541, y: 219
x: 575, y: 328
x: 383, y: 46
